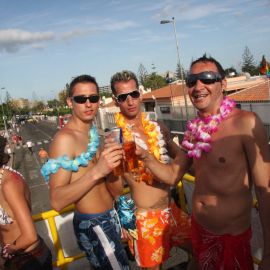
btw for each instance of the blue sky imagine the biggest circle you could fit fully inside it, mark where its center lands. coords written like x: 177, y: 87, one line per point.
x: 43, y: 44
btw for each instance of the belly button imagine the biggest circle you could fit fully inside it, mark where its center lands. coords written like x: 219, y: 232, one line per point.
x: 222, y: 160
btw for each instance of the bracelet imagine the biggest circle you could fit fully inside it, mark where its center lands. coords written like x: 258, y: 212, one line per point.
x: 5, y: 252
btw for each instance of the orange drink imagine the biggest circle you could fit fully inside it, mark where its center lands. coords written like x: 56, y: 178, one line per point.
x: 131, y: 161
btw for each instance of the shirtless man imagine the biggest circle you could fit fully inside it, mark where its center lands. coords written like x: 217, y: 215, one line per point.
x: 228, y: 158
x: 156, y: 221
x: 80, y: 178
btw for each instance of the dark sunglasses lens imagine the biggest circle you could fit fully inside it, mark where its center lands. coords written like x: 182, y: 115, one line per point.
x: 94, y: 98
x: 135, y: 94
x: 207, y: 81
x: 83, y: 99
x: 191, y: 80
x: 123, y: 97
x: 204, y: 77
x: 80, y: 99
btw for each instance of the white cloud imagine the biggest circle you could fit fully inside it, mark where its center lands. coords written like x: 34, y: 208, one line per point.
x: 115, y: 26
x: 73, y: 33
x: 12, y: 39
x: 38, y: 46
x: 188, y: 11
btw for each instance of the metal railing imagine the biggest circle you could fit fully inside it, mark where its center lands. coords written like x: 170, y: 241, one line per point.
x: 50, y: 216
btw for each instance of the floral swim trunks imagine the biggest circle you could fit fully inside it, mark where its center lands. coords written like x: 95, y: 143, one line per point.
x: 99, y: 236
x: 158, y: 231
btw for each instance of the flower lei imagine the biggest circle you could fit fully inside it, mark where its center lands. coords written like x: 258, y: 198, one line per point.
x: 155, y: 142
x: 197, y: 137
x: 53, y: 165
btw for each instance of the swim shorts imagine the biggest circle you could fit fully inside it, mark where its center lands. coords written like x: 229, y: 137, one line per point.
x: 99, y: 236
x: 221, y: 252
x: 158, y: 231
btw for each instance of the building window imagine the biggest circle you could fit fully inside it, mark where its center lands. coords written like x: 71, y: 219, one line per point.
x: 165, y: 109
x: 149, y: 106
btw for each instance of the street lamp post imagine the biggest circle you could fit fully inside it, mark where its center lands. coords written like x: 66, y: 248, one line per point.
x: 4, y: 116
x: 178, y: 61
x: 56, y: 106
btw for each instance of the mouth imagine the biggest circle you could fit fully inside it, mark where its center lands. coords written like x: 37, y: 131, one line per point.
x: 132, y: 109
x: 88, y: 112
x: 199, y: 97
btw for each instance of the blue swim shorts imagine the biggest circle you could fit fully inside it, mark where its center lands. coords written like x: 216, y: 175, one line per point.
x: 99, y: 236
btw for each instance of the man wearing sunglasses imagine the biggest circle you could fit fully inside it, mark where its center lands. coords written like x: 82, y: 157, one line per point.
x: 152, y: 199
x: 81, y: 169
x: 229, y: 151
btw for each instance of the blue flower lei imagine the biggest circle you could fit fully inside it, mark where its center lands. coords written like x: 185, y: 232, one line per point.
x: 53, y: 165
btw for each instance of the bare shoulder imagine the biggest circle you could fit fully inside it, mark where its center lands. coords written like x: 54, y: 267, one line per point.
x: 246, y: 121
x: 12, y: 183
x: 63, y: 143
x: 250, y: 125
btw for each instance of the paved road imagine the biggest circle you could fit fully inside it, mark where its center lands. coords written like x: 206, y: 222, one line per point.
x: 29, y: 164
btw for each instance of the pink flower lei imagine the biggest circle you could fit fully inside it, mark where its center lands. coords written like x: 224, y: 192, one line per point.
x: 197, y: 137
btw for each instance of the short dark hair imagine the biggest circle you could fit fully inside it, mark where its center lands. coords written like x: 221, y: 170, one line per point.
x: 210, y: 59
x: 82, y: 79
x: 123, y: 76
x: 4, y: 157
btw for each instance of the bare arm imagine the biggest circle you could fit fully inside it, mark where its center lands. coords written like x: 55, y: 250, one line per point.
x: 257, y: 150
x: 114, y: 185
x: 14, y: 195
x: 167, y: 173
x: 63, y: 192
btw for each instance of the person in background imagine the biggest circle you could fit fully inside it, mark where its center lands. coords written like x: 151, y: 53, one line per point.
x: 8, y: 150
x: 29, y: 145
x: 77, y: 171
x: 43, y: 155
x: 229, y: 151
x: 160, y: 224
x: 22, y: 247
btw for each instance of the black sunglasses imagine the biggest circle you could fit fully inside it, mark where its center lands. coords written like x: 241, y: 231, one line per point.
x: 83, y: 99
x: 207, y: 77
x: 122, y: 97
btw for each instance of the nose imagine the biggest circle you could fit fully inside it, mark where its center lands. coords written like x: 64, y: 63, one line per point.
x: 198, y: 85
x: 88, y: 103
x: 129, y: 100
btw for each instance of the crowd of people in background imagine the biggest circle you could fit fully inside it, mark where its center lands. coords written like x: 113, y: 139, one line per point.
x: 225, y: 147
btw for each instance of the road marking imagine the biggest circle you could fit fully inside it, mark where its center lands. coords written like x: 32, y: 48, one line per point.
x: 33, y: 174
x: 36, y: 186
x: 48, y: 136
x: 33, y: 144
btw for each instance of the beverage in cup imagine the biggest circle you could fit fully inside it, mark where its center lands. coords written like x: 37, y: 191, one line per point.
x: 116, y: 134
x: 131, y: 159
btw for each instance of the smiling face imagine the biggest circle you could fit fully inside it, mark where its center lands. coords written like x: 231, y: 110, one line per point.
x: 206, y: 97
x: 86, y: 112
x: 130, y: 108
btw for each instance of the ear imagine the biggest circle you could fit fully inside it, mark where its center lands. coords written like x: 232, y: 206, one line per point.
x: 69, y: 102
x: 141, y: 93
x: 115, y: 101
x: 224, y: 84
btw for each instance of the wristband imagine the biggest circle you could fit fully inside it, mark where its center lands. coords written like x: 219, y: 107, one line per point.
x: 5, y: 253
